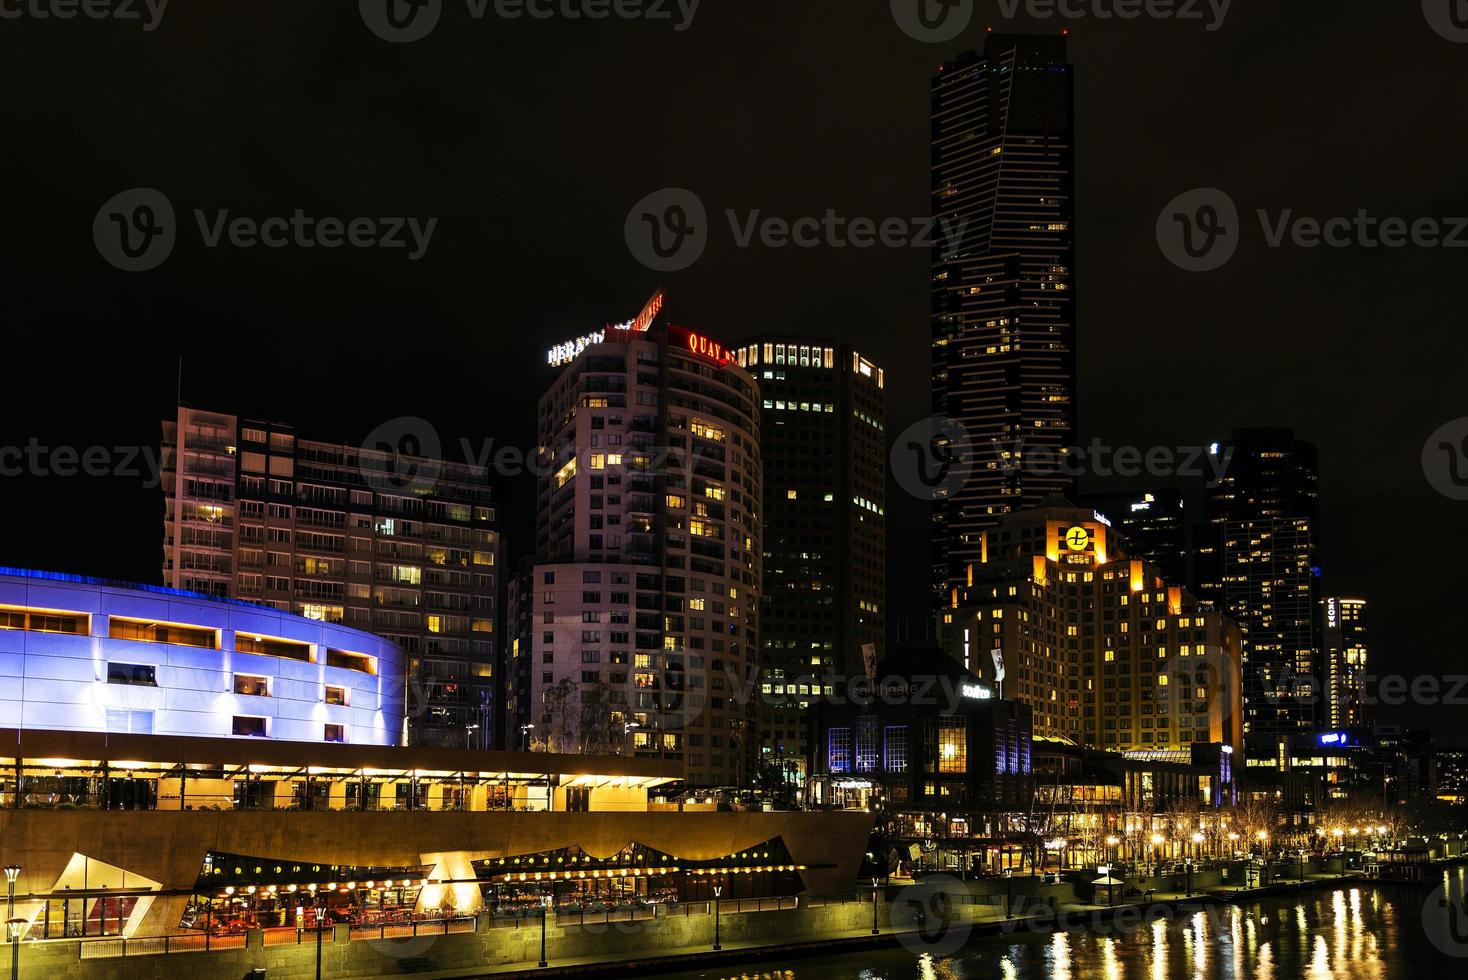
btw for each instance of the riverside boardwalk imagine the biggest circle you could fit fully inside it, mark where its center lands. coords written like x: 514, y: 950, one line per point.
x: 979, y: 920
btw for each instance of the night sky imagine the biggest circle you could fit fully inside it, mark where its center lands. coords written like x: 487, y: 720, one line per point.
x: 529, y: 141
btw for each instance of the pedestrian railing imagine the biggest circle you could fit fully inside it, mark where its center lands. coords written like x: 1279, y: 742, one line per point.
x: 118, y: 947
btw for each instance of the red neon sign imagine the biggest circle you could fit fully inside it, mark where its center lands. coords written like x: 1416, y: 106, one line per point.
x: 697, y: 343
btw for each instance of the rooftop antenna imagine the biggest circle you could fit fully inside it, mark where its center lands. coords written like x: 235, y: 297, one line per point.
x: 180, y: 379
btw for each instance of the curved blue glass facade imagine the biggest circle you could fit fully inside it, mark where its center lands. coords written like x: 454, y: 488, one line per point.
x: 81, y: 654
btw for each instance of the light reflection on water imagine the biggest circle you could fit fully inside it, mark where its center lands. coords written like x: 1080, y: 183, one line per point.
x: 1353, y: 932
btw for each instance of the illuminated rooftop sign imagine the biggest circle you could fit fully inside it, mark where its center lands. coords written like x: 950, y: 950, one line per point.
x: 566, y: 353
x: 698, y: 344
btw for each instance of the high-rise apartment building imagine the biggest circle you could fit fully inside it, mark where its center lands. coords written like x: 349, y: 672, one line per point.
x: 1258, y: 563
x: 403, y: 547
x: 1003, y: 299
x: 642, y: 628
x: 1107, y: 652
x: 1343, y: 652
x: 823, y: 440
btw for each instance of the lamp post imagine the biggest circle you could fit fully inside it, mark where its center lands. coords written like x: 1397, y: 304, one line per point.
x: 627, y: 728
x: 1008, y: 888
x: 468, y: 730
x: 1157, y: 842
x: 718, y: 890
x: 1189, y: 871
x: 545, y: 902
x: 525, y: 731
x: 875, y: 930
x: 320, y: 903
x: 12, y: 924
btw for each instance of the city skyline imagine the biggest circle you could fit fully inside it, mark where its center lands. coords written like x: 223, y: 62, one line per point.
x: 1189, y: 332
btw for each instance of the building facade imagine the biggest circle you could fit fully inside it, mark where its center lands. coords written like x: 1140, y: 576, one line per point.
x: 1344, y: 654
x: 929, y: 745
x: 1260, y: 566
x: 1156, y: 526
x: 822, y: 607
x: 642, y: 625
x: 1108, y: 653
x: 88, y: 655
x: 366, y: 537
x: 1003, y: 300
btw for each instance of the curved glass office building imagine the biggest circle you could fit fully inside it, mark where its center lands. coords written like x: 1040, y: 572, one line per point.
x: 87, y: 655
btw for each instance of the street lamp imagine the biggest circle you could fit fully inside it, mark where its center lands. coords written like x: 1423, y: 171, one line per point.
x: 626, y: 732
x: 12, y: 924
x: 719, y: 890
x: 1111, y: 843
x: 1197, y: 839
x: 875, y: 930
x: 467, y: 730
x: 1008, y: 887
x: 525, y: 731
x: 545, y: 904
x: 1157, y: 842
x: 319, y: 902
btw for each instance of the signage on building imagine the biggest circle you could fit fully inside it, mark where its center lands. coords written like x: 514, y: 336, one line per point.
x: 698, y: 345
x: 976, y: 691
x: 1077, y: 539
x: 998, y: 656
x: 566, y: 353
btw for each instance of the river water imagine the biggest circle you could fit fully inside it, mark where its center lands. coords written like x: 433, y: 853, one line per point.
x: 1352, y: 931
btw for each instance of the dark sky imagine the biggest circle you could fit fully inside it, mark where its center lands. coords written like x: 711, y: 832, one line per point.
x: 530, y: 141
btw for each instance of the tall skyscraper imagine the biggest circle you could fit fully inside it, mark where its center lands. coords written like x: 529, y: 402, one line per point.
x: 1003, y: 301
x: 642, y: 628
x: 400, y: 546
x: 1259, y: 564
x: 1155, y: 523
x: 1343, y: 651
x: 823, y: 444
x: 1105, y: 649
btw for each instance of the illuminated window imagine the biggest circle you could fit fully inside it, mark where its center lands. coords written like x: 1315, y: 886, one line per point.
x: 119, y: 628
x: 272, y: 647
x: 866, y: 744
x: 251, y: 686
x: 838, y: 750
x: 336, y: 695
x: 18, y: 618
x: 952, y: 746
x: 894, y: 748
